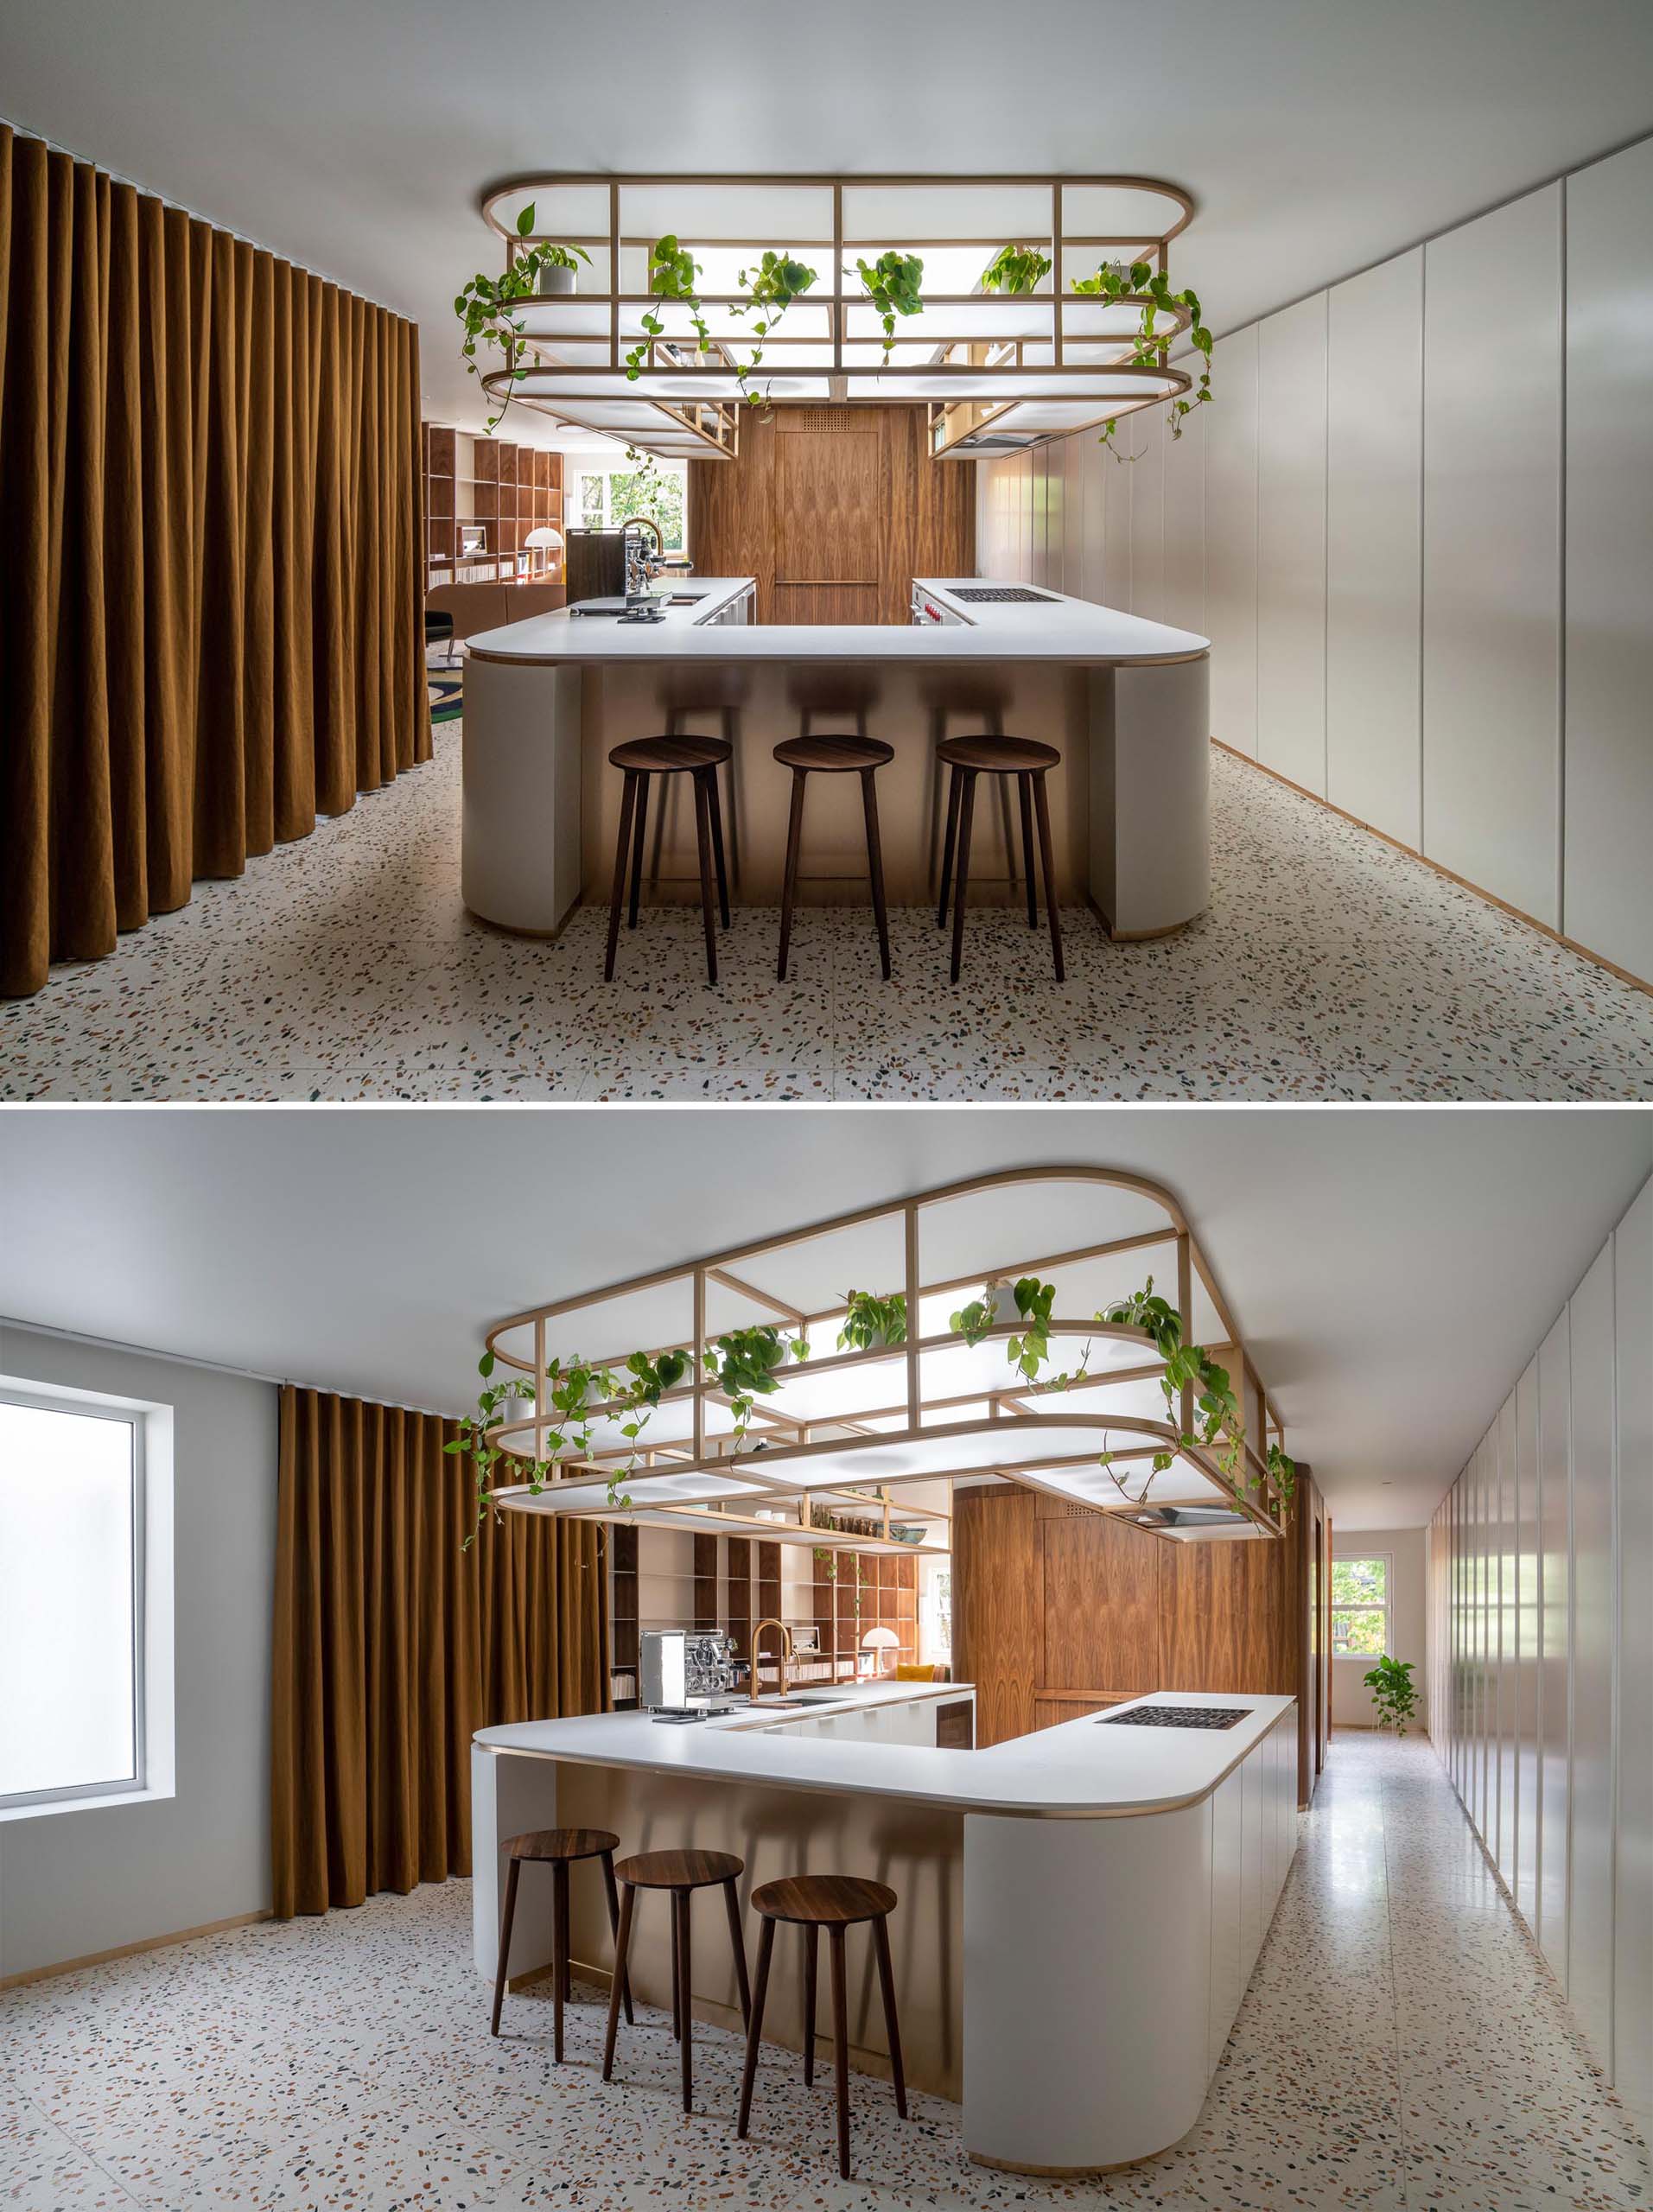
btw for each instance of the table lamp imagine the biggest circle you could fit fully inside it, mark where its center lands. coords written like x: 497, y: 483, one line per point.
x: 878, y: 1641
x: 543, y: 538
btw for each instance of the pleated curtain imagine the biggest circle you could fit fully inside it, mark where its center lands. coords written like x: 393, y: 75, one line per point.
x: 210, y: 534
x: 393, y: 1644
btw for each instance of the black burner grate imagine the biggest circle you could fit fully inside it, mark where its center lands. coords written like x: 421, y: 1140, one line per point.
x: 1176, y: 1716
x: 977, y: 593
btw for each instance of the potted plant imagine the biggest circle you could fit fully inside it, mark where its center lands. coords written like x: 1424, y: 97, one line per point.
x: 770, y: 288
x: 1016, y: 269
x: 1151, y: 290
x: 486, y: 305
x: 673, y: 274
x: 1394, y: 1696
x: 871, y: 1323
x: 892, y: 283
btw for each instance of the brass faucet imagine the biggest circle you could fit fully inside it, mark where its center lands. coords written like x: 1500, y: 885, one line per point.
x: 786, y: 1655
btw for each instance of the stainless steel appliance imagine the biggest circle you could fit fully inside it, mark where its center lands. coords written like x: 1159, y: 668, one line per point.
x: 685, y: 1673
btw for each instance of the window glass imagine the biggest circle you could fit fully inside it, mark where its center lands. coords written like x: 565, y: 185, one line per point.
x: 606, y: 499
x: 1360, y: 1607
x: 68, y: 1686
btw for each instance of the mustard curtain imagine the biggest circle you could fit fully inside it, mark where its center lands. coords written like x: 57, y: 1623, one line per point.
x: 211, y: 535
x: 392, y: 1645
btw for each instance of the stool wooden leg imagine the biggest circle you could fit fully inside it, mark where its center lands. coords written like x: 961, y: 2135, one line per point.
x: 559, y: 1952
x: 623, y: 1978
x: 703, y: 836
x: 686, y: 1999
x: 812, y: 1948
x: 739, y: 1942
x: 789, y: 882
x: 715, y: 803
x: 967, y: 809
x: 509, y: 1915
x: 1043, y: 805
x: 676, y: 1967
x: 891, y: 2025
x: 754, y: 2027
x: 840, y: 2009
x: 627, y: 800
x: 948, y: 845
x: 1025, y: 786
x: 622, y: 1945
x: 637, y: 848
x: 875, y: 868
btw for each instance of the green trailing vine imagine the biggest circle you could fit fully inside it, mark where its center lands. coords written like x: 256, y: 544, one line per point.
x: 742, y: 1363
x: 486, y: 305
x: 1016, y: 269
x: 1152, y: 287
x: 871, y: 1324
x: 893, y: 285
x: 672, y: 273
x: 770, y: 288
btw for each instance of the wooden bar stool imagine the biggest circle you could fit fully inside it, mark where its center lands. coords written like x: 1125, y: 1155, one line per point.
x: 1028, y: 762
x: 701, y: 758
x: 834, y: 1902
x: 862, y: 756
x: 682, y: 1873
x: 558, y: 1848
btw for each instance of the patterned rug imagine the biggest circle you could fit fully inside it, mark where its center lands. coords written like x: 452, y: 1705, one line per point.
x: 446, y: 686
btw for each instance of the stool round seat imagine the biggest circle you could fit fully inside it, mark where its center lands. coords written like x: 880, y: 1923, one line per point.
x: 998, y: 756
x: 663, y: 756
x: 829, y: 756
x: 986, y: 753
x: 824, y: 1900
x: 548, y: 1845
x: 679, y: 1869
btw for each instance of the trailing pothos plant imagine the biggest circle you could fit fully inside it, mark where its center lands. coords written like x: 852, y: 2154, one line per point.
x: 1016, y: 269
x: 486, y: 305
x: 1152, y: 287
x: 742, y: 1363
x: 673, y: 274
x: 871, y: 1323
x: 893, y: 284
x: 1030, y: 1352
x: 770, y: 288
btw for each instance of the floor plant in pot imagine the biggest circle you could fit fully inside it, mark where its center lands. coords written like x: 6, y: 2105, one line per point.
x: 487, y: 307
x: 1394, y: 1698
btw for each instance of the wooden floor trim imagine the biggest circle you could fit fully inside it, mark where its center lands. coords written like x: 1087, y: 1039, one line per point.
x: 1398, y: 844
x: 131, y: 1950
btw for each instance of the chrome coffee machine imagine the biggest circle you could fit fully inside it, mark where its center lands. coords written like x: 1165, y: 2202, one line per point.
x: 683, y: 1673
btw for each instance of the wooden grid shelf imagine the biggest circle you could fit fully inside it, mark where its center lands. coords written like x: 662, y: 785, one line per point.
x: 506, y: 488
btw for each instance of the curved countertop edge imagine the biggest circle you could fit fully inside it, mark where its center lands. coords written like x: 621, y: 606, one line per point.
x: 1012, y: 1779
x: 993, y: 634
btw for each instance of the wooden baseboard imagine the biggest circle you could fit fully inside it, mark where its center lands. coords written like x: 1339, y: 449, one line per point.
x: 1399, y: 845
x: 131, y: 1950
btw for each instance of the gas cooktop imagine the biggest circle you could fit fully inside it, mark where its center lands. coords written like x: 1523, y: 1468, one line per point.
x: 1177, y: 1716
x: 976, y: 592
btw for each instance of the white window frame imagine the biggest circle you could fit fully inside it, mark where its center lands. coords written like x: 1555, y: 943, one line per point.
x: 1367, y: 1659
x: 574, y: 510
x: 154, y: 1750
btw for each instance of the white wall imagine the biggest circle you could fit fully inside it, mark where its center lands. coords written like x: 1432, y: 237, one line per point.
x: 1542, y: 1650
x: 1352, y: 1701
x: 1418, y: 514
x: 74, y: 1883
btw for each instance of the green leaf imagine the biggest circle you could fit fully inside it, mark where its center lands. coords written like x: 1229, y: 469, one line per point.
x: 485, y: 1365
x: 525, y: 220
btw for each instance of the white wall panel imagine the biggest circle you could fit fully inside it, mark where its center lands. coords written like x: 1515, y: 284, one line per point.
x: 1525, y: 1555
x: 1115, y: 477
x: 1556, y: 1512
x: 1374, y: 762
x: 1508, y: 1846
x: 1038, y: 464
x: 1144, y: 435
x: 1590, y: 1903
x: 1491, y: 566
x: 1291, y: 544
x: 1071, y: 451
x: 1633, y: 1837
x: 1252, y: 1919
x: 1231, y: 540
x: 1609, y: 792
x: 1185, y: 525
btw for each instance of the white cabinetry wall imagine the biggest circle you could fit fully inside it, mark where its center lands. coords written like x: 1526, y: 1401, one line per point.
x: 1541, y: 1642
x: 1416, y: 523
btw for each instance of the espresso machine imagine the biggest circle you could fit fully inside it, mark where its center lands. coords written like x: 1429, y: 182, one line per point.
x: 684, y: 1673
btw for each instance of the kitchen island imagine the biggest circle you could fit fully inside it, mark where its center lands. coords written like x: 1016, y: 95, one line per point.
x: 1080, y: 1909
x: 1125, y: 701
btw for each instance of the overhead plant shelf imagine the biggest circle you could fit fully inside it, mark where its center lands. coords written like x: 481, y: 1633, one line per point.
x: 991, y: 337
x: 986, y: 1331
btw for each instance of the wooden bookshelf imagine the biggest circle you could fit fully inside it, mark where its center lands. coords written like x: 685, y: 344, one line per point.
x: 508, y: 489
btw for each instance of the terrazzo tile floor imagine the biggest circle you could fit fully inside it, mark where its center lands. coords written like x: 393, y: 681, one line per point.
x: 1330, y: 966
x: 1401, y: 2046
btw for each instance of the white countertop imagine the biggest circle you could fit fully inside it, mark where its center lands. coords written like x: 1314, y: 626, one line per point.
x: 1057, y: 629
x: 1078, y: 1767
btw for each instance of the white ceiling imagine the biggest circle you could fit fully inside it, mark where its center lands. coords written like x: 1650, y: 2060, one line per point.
x: 1392, y: 1270
x: 355, y: 136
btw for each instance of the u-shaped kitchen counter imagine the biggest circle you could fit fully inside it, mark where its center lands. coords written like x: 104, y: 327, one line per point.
x: 1125, y: 701
x: 1081, y: 1909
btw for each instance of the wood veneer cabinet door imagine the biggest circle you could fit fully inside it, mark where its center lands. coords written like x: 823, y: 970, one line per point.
x: 1101, y: 1605
x: 996, y: 1607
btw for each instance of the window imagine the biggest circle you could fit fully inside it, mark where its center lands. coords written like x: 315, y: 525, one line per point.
x: 80, y: 1604
x: 936, y: 1611
x: 603, y: 499
x: 1360, y: 1607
